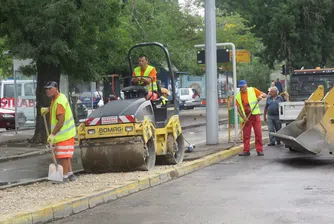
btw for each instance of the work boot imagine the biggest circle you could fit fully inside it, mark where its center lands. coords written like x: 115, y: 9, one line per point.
x: 271, y: 144
x: 72, y: 177
x: 244, y: 154
x: 65, y: 180
x: 260, y: 154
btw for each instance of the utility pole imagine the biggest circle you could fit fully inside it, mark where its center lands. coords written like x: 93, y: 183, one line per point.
x: 212, y: 129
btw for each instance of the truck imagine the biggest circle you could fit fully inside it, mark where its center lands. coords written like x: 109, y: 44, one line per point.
x: 302, y: 84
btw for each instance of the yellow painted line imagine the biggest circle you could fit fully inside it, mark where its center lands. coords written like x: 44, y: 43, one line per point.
x: 72, y: 206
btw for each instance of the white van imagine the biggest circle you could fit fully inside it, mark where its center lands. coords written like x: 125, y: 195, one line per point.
x: 26, y: 97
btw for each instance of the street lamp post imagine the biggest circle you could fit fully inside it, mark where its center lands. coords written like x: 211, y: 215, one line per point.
x: 234, y: 62
x: 15, y: 96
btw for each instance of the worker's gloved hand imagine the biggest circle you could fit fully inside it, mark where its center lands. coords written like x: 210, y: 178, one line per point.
x: 51, y: 139
x: 44, y: 110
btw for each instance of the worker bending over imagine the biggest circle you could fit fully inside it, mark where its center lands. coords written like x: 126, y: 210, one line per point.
x: 247, y: 103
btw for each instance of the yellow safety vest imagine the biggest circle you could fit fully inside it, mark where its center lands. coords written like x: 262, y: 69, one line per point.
x: 147, y: 73
x: 68, y: 130
x: 164, y: 100
x: 252, y: 100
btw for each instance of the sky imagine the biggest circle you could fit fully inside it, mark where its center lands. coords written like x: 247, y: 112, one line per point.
x: 194, y: 10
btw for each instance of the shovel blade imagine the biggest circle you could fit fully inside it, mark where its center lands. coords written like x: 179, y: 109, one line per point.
x: 55, y: 173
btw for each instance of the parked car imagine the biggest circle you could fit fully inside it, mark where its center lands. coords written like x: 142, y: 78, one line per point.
x: 7, y: 119
x: 189, y: 98
x: 86, y: 99
x: 82, y: 110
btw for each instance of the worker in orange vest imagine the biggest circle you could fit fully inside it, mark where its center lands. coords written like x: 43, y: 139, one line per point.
x: 146, y: 70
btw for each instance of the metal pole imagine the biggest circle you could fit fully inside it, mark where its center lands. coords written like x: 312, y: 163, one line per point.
x: 212, y: 129
x: 15, y: 96
x: 35, y: 99
x: 236, y: 124
x: 91, y: 94
x: 234, y: 61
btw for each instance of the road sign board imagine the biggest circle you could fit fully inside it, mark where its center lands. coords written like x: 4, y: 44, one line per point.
x: 242, y: 56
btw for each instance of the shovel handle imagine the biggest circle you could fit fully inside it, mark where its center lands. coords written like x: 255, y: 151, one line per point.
x: 243, y: 125
x: 50, y: 145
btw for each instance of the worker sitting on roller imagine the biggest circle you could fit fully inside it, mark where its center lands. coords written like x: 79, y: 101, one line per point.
x: 164, y: 97
x: 146, y: 70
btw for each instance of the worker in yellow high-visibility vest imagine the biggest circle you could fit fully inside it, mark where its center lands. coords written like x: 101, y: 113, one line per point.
x: 144, y: 69
x: 164, y: 97
x: 247, y: 103
x: 63, y: 128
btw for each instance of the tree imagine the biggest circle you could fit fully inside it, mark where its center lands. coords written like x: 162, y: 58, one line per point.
x: 298, y: 31
x: 158, y: 21
x: 6, y: 61
x: 62, y: 37
x: 256, y: 74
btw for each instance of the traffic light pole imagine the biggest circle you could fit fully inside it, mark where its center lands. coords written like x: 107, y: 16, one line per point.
x: 210, y: 126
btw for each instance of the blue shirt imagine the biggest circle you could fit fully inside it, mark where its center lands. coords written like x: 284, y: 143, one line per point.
x: 272, y: 105
x: 279, y: 86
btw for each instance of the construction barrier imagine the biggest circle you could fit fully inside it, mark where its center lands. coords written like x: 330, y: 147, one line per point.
x: 230, y: 114
x: 220, y: 101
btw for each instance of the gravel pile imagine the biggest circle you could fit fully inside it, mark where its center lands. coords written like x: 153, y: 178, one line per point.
x: 30, y: 197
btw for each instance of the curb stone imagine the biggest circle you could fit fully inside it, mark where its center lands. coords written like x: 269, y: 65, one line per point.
x: 75, y: 205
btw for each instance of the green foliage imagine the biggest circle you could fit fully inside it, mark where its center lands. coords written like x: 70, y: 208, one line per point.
x: 157, y: 21
x: 6, y: 60
x: 298, y: 31
x: 256, y: 75
x: 236, y: 29
x: 67, y: 34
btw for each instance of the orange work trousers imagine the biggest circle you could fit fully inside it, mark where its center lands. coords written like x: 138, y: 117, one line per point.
x: 65, y: 149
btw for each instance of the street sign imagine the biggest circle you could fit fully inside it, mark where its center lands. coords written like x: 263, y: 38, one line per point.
x: 222, y: 56
x: 242, y: 56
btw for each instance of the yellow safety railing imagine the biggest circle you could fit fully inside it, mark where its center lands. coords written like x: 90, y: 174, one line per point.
x: 228, y: 115
x: 229, y: 100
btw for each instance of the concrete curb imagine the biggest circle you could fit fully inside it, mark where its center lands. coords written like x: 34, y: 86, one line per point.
x: 223, y: 121
x: 73, y: 206
x: 44, y: 151
x: 25, y: 155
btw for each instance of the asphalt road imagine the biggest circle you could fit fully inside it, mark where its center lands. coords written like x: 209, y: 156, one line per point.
x: 282, y: 187
x: 31, y: 168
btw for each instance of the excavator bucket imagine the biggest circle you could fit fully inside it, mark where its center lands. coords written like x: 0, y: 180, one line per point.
x: 313, y: 130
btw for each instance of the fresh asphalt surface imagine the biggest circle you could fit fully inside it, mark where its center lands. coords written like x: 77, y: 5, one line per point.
x: 282, y: 187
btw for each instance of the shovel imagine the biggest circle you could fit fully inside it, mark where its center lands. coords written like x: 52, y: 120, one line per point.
x: 55, y: 170
x: 244, y: 123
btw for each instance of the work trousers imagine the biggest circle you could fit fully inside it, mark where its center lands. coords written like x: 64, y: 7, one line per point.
x: 255, y: 122
x: 65, y: 149
x: 274, y: 124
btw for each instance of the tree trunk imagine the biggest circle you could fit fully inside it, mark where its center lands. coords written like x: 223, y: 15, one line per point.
x: 45, y: 73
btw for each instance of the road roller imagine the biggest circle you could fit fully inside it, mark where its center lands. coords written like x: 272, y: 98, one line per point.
x: 133, y: 133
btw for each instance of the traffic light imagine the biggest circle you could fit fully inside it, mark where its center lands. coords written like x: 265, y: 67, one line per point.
x: 223, y: 55
x: 284, y: 70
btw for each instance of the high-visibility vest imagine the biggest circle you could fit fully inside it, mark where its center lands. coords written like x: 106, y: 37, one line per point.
x: 68, y: 130
x: 164, y: 100
x: 147, y: 73
x: 252, y: 100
